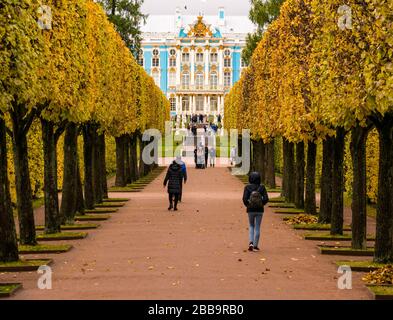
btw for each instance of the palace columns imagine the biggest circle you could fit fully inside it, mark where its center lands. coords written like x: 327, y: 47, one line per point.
x: 192, y: 64
x: 220, y: 66
x: 207, y: 59
x: 178, y: 64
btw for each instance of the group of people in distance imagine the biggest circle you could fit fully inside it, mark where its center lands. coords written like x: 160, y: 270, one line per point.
x: 202, y: 155
x: 255, y: 197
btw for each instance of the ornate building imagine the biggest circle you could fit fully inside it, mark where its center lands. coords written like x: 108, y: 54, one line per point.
x: 195, y: 60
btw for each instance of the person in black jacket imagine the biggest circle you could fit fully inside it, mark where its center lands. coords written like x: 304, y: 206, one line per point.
x: 174, y: 178
x: 255, y: 207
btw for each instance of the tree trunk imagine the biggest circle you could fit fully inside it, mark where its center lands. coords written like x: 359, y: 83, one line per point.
x: 8, y: 242
x: 52, y: 214
x: 325, y: 214
x: 23, y: 186
x: 337, y: 224
x: 299, y: 176
x: 120, y: 163
x: 285, y: 145
x: 384, y: 234
x: 134, y: 159
x: 88, y: 149
x: 142, y: 172
x: 291, y: 172
x: 310, y: 204
x: 70, y: 181
x: 98, y: 175
x: 359, y: 187
x: 127, y: 152
x: 254, y: 152
x: 80, y: 201
x: 103, y: 166
x: 270, y: 165
x: 261, y: 160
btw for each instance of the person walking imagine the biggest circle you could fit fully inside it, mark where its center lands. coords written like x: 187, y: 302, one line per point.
x: 212, y: 152
x: 184, y: 171
x: 255, y: 197
x: 173, y: 179
x: 233, y: 156
x: 206, y: 156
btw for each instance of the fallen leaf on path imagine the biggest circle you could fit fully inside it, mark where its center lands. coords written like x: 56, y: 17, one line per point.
x: 170, y: 267
x: 240, y: 260
x: 294, y: 259
x: 151, y: 268
x: 313, y: 256
x: 197, y: 265
x: 263, y: 259
x: 267, y: 269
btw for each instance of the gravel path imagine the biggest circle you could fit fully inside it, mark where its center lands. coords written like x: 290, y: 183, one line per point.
x: 146, y: 252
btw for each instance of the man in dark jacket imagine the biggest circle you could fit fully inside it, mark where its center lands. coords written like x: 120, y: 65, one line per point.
x: 206, y: 156
x: 174, y: 178
x: 254, y: 198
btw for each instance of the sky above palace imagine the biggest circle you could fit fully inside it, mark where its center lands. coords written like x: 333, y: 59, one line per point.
x: 194, y: 7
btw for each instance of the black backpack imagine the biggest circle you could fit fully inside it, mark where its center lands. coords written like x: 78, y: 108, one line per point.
x: 255, y: 201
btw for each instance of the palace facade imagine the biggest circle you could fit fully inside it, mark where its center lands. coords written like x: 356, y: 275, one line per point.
x: 195, y: 60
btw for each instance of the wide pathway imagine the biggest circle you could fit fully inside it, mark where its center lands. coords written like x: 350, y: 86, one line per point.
x: 146, y: 252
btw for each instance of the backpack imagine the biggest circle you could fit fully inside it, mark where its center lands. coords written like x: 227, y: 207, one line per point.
x: 255, y: 201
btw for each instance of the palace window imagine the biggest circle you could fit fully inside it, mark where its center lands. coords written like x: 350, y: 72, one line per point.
x: 172, y: 52
x: 156, y: 77
x: 186, y: 104
x: 213, y: 104
x: 172, y: 78
x: 185, y: 57
x: 156, y: 59
x: 227, y: 79
x: 185, y: 80
x: 227, y: 62
x: 199, y: 103
x: 141, y: 59
x: 172, y: 62
x: 173, y: 104
x: 214, y: 57
x: 199, y: 81
x: 227, y: 53
x: 213, y: 81
x: 199, y: 57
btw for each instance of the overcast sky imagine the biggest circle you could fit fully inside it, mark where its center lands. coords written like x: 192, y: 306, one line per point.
x: 208, y: 7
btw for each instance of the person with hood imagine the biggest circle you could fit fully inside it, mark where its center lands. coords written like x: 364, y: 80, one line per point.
x: 255, y: 197
x: 174, y: 178
x: 184, y: 170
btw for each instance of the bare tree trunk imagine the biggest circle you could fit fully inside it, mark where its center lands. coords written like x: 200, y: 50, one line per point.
x: 325, y: 214
x: 299, y: 175
x: 337, y: 224
x: 384, y: 234
x: 52, y: 213
x: 8, y: 243
x: 310, y: 204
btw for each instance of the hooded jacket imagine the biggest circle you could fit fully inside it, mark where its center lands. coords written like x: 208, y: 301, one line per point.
x: 174, y: 178
x: 255, y: 185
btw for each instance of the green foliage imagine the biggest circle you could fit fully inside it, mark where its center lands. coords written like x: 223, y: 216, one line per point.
x: 127, y: 17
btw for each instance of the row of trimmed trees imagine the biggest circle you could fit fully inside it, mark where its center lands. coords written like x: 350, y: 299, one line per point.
x: 321, y: 72
x: 78, y: 78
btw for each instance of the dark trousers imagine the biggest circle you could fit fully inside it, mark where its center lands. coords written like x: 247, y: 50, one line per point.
x: 173, y: 196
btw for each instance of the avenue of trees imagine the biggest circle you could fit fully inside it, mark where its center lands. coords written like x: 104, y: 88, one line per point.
x: 322, y: 73
x: 77, y: 81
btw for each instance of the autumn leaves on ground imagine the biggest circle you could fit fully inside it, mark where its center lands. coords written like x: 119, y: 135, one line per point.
x: 145, y: 252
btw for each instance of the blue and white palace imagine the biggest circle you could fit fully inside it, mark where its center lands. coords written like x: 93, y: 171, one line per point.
x: 195, y: 60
